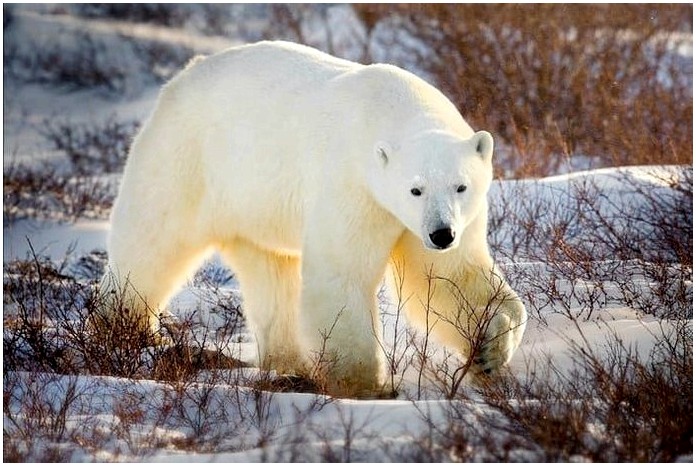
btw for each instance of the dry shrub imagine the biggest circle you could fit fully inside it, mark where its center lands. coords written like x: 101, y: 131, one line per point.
x: 91, y: 148
x: 585, y: 247
x: 54, y: 417
x: 36, y: 427
x: 47, y: 192
x: 608, y: 403
x: 59, y: 328
x: 50, y: 318
x: 79, y: 188
x: 553, y: 81
x: 56, y: 322
x: 616, y: 406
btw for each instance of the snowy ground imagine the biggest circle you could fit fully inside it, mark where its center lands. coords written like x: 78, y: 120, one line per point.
x: 225, y: 411
x: 246, y: 424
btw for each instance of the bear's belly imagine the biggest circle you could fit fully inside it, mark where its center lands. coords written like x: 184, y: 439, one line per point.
x: 276, y: 229
x: 256, y: 191
x: 276, y: 233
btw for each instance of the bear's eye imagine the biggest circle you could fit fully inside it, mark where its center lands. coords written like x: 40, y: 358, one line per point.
x: 461, y: 188
x: 416, y: 192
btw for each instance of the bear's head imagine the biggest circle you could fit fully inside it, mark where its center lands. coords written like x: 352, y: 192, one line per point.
x: 435, y: 183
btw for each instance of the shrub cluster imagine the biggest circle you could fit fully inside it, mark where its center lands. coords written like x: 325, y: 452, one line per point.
x: 617, y: 407
x: 46, y: 192
x: 611, y: 82
x: 56, y: 322
x: 600, y: 247
x: 91, y: 149
x: 58, y: 327
x: 80, y: 183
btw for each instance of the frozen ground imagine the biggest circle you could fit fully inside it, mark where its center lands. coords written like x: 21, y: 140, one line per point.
x: 224, y: 411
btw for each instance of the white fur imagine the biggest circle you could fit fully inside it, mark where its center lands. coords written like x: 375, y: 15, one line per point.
x: 298, y: 168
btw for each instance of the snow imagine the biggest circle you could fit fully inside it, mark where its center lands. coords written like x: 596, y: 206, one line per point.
x: 53, y: 239
x: 236, y: 421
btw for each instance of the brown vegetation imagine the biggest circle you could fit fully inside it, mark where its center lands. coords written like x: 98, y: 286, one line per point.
x: 553, y: 81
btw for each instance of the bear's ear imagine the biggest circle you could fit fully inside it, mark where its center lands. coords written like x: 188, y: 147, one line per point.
x: 382, y: 151
x: 483, y: 142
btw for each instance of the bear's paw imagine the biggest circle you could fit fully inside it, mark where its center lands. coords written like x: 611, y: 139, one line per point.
x: 497, y: 346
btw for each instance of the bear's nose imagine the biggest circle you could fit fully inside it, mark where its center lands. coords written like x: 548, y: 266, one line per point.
x: 442, y: 237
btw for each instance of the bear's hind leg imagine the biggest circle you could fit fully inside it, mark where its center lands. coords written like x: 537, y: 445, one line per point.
x: 141, y: 284
x: 270, y: 285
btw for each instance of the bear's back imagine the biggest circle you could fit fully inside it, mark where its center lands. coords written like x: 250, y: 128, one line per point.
x: 269, y: 65
x: 273, y: 81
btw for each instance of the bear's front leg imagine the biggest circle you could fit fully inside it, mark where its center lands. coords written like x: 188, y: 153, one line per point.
x: 342, y: 335
x: 343, y: 263
x: 504, y: 322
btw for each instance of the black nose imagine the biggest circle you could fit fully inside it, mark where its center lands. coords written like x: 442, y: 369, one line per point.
x: 442, y: 238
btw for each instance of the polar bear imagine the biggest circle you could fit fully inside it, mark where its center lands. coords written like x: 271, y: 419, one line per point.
x: 311, y: 176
